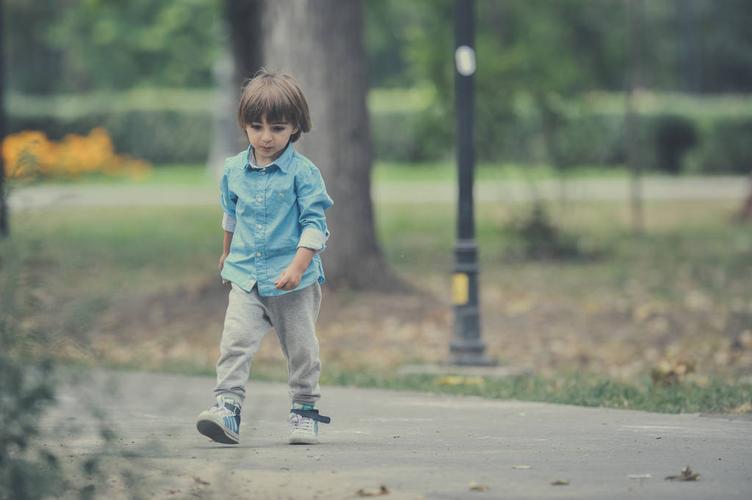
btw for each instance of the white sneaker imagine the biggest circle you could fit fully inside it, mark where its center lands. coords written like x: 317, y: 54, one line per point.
x: 304, y: 424
x: 221, y: 422
x: 303, y: 430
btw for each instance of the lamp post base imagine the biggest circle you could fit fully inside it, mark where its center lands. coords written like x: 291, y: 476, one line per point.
x: 464, y: 353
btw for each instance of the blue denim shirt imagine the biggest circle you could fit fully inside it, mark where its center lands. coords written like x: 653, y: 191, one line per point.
x: 275, y: 210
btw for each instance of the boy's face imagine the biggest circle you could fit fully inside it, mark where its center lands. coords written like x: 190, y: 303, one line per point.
x: 268, y: 139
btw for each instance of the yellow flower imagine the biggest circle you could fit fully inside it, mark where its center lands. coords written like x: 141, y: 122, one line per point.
x: 32, y: 154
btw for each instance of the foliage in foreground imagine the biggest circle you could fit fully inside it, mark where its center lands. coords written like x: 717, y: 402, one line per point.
x: 26, y: 471
x: 28, y: 375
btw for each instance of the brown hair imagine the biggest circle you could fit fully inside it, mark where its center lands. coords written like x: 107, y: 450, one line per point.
x: 276, y: 97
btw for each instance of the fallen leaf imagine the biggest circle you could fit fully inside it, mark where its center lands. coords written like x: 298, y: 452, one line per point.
x: 669, y: 372
x: 686, y: 474
x: 639, y: 476
x: 201, y: 481
x: 478, y: 487
x: 560, y: 482
x: 373, y: 492
x: 521, y: 467
x: 743, y: 408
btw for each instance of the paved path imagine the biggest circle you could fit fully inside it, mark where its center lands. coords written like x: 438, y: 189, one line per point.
x: 416, y: 445
x: 654, y: 188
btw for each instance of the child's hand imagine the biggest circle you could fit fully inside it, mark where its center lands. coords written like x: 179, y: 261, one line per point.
x: 289, y: 279
x: 222, y: 261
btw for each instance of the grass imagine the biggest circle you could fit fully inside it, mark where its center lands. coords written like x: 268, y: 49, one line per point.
x: 575, y: 389
x: 447, y: 172
x: 386, y: 100
x: 384, y: 172
x: 71, y: 106
x: 163, y: 175
x: 710, y: 396
x: 92, y: 260
x: 668, y: 102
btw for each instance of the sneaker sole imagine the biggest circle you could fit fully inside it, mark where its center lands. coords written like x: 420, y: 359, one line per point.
x: 297, y: 439
x: 215, y: 432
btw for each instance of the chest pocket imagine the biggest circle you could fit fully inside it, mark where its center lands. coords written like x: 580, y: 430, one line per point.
x: 283, y: 198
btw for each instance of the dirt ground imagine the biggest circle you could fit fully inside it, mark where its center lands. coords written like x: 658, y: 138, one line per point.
x: 548, y: 333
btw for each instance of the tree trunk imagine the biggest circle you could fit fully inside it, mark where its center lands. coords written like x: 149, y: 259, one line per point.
x: 320, y: 44
x: 3, y: 205
x: 745, y: 214
x: 242, y: 19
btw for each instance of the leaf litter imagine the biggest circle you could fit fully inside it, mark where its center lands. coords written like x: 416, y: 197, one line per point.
x: 373, y: 492
x: 478, y: 487
x: 686, y: 474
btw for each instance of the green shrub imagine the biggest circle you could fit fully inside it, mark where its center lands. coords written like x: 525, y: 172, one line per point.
x: 675, y: 134
x: 592, y: 138
x: 725, y: 148
x: 534, y: 236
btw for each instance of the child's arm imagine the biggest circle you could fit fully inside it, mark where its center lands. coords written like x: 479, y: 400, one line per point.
x: 313, y: 200
x: 290, y: 277
x: 228, y: 201
x: 225, y: 248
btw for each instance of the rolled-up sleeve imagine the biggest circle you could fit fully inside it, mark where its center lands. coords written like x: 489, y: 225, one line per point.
x: 313, y: 200
x: 228, y: 222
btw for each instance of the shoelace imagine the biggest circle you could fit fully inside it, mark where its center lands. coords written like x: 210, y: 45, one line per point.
x: 301, y: 422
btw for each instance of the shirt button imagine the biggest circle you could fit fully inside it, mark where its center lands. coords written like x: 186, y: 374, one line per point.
x: 263, y: 172
x: 258, y: 254
x: 258, y: 199
x: 259, y: 226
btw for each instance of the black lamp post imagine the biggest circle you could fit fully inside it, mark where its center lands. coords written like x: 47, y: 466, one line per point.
x: 466, y: 347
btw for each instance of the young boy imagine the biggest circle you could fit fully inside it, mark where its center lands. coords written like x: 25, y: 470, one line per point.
x: 274, y: 228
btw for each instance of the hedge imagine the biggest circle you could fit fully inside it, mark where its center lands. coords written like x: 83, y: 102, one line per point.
x: 698, y: 134
x: 677, y: 134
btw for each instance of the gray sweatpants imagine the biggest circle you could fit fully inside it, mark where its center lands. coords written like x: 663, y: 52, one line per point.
x: 249, y: 317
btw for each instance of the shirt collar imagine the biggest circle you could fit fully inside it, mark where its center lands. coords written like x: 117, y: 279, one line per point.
x: 283, y: 161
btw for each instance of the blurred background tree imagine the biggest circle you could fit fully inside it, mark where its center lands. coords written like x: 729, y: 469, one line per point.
x: 82, y: 45
x: 78, y: 45
x: 550, y: 75
x: 549, y: 83
x: 327, y: 56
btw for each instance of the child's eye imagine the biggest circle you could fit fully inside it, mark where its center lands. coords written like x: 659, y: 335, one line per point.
x: 256, y: 126
x: 278, y: 128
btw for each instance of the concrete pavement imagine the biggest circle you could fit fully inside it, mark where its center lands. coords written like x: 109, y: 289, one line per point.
x: 417, y: 445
